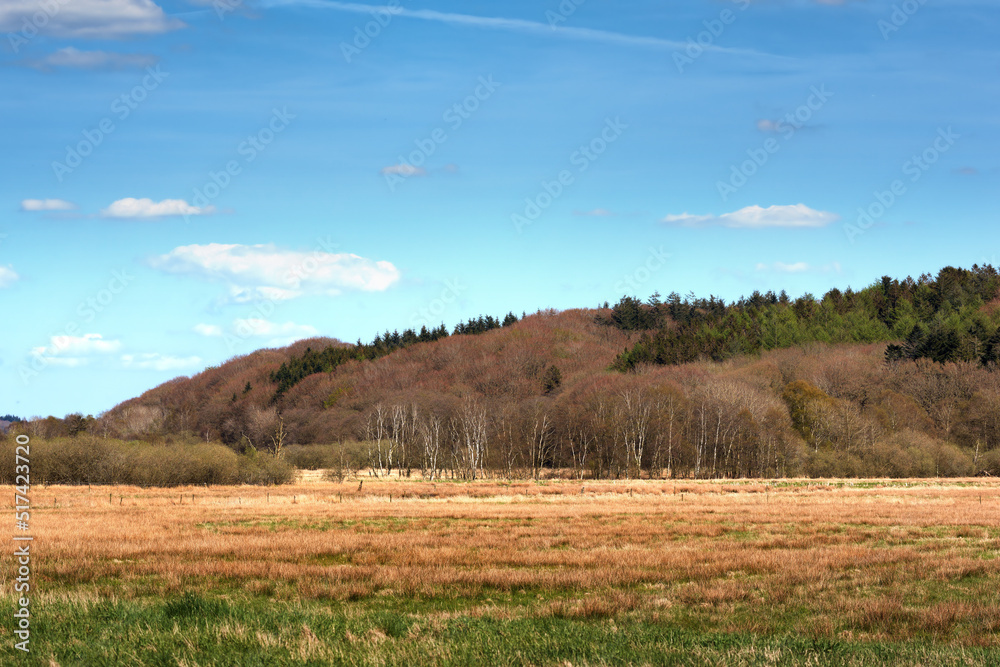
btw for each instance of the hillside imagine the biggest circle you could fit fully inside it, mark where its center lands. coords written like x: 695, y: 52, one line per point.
x: 549, y: 391
x: 502, y: 365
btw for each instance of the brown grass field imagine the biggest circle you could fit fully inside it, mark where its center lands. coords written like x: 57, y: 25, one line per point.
x: 853, y: 561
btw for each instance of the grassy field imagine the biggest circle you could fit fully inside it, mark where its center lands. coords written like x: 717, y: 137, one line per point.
x: 551, y: 573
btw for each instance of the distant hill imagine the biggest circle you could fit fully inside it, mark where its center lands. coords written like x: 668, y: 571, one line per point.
x: 895, y: 379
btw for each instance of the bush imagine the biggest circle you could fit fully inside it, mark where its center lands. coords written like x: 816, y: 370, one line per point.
x: 989, y: 463
x: 831, y: 463
x: 90, y: 460
x: 261, y: 469
x: 310, y: 457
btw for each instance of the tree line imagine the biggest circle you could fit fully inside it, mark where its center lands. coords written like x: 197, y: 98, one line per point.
x: 950, y: 317
x: 766, y: 386
x: 325, y: 361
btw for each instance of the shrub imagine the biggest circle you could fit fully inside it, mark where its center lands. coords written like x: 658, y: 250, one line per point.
x: 90, y: 460
x: 831, y: 463
x: 310, y: 457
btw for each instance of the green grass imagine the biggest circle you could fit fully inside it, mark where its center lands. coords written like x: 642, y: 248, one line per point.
x: 199, y: 630
x: 203, y: 630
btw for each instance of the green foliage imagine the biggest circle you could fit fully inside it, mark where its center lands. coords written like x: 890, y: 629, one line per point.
x: 801, y: 398
x: 941, y: 318
x: 335, y: 396
x: 551, y: 379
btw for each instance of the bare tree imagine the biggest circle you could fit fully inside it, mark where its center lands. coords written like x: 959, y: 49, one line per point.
x: 278, y: 439
x: 634, y: 412
x: 430, y: 437
x: 540, y: 441
x: 376, y: 433
x: 471, y: 435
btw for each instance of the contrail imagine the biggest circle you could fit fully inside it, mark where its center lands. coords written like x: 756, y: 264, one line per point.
x: 513, y: 25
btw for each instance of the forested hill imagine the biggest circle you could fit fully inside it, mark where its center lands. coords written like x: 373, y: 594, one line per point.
x: 951, y: 317
x: 896, y: 378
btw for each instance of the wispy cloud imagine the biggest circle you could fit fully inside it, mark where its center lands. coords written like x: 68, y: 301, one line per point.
x: 73, y: 58
x: 596, y: 213
x: 147, y: 208
x: 210, y: 330
x: 274, y: 334
x: 88, y: 19
x: 75, y: 350
x: 799, y: 267
x: 403, y: 170
x: 267, y: 272
x: 511, y: 25
x: 8, y: 276
x: 154, y: 361
x: 46, y: 205
x: 757, y: 217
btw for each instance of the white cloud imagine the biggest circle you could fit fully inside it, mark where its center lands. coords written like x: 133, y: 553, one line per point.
x: 72, y: 57
x: 239, y: 294
x: 147, y: 208
x: 403, y: 170
x: 46, y: 205
x: 158, y: 362
x: 688, y: 220
x: 277, y: 335
x: 799, y: 267
x: 208, y: 329
x: 757, y: 217
x: 75, y: 350
x: 8, y: 276
x: 268, y: 272
x: 88, y: 19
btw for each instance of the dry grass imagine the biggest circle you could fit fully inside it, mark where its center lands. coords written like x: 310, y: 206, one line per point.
x: 896, y: 560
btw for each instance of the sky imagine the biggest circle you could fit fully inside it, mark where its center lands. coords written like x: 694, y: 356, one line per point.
x: 186, y: 181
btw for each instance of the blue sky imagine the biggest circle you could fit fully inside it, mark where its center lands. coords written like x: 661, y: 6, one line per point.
x: 188, y: 180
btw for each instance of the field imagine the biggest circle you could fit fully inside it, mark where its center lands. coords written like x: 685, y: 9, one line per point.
x: 408, y: 572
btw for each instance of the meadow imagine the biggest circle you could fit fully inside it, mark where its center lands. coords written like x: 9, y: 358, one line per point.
x: 373, y: 571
